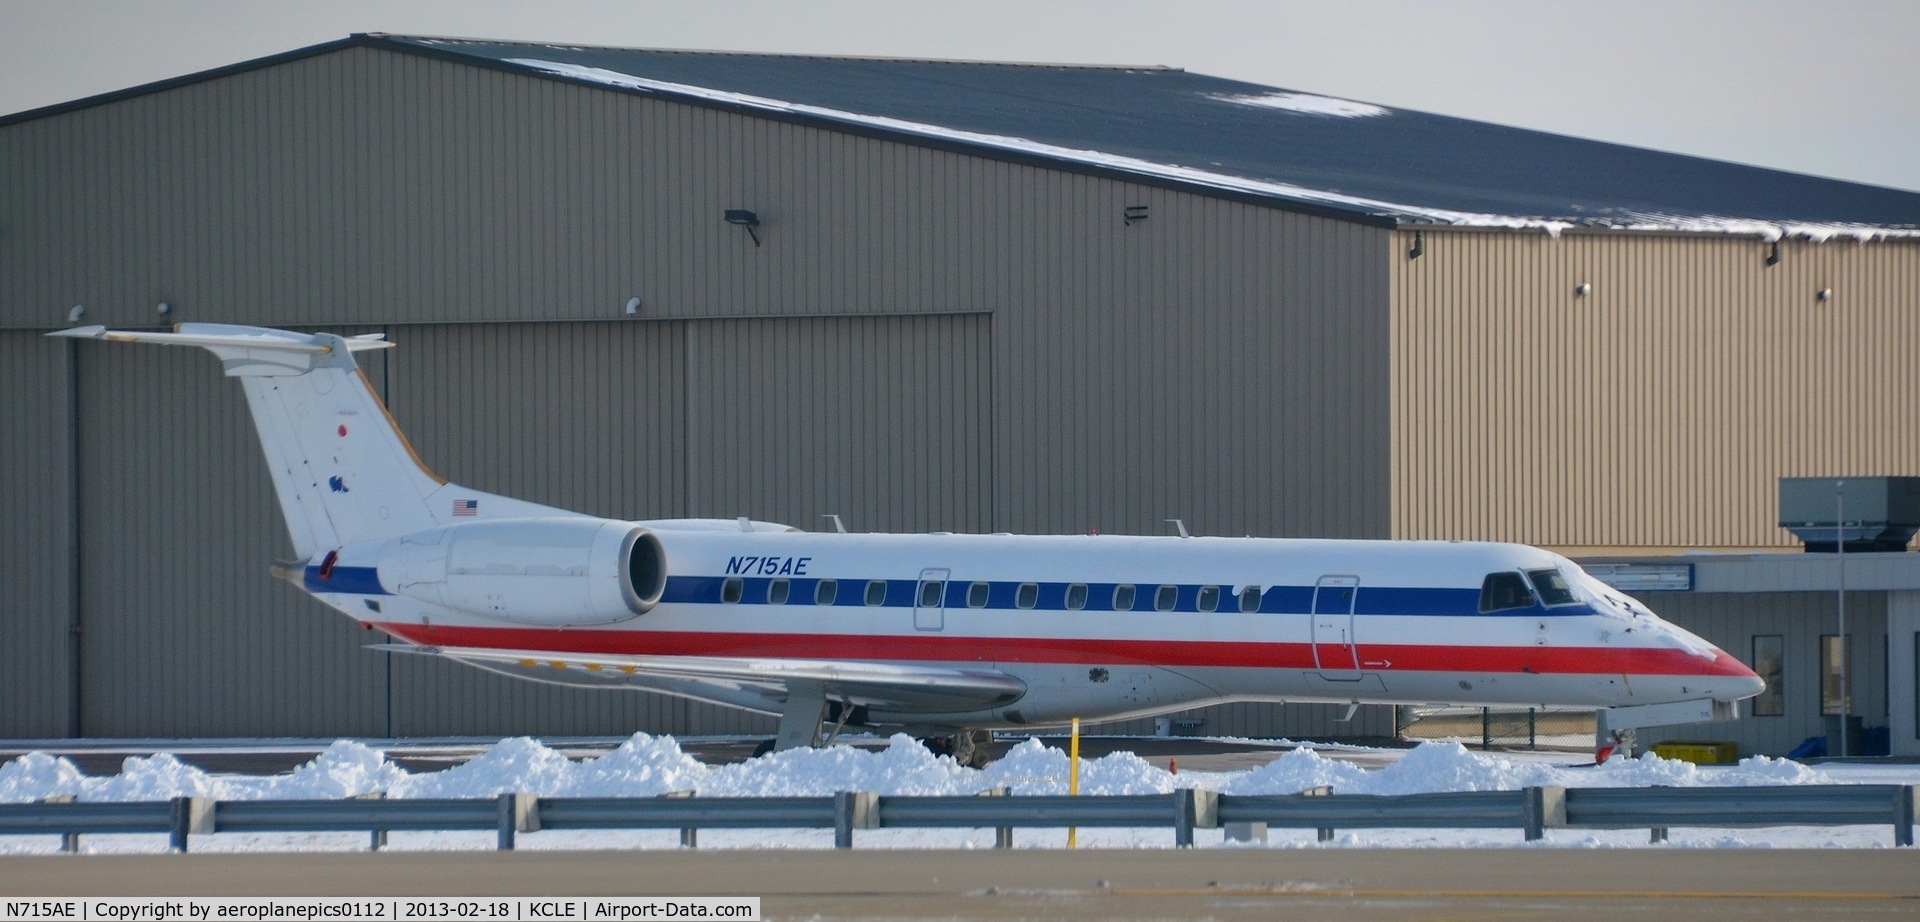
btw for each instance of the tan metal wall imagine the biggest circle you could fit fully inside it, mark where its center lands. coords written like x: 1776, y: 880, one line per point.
x: 1656, y: 412
x: 960, y: 344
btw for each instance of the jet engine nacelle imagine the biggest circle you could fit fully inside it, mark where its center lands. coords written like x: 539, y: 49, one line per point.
x: 552, y: 572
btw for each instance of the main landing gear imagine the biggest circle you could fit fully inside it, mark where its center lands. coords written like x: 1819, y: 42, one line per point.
x: 967, y: 747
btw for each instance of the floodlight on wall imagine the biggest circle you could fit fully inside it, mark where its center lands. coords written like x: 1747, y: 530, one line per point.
x: 163, y: 308
x: 633, y: 306
x: 79, y: 311
x: 1134, y: 214
x: 1824, y: 294
x: 1582, y: 290
x: 744, y: 218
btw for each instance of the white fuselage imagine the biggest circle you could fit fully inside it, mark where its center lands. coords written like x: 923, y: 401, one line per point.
x: 1210, y: 620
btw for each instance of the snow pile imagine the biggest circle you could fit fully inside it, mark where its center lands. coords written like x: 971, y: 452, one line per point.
x: 1307, y: 103
x: 646, y: 766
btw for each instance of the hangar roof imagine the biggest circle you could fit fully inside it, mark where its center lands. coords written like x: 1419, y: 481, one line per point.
x: 1168, y: 126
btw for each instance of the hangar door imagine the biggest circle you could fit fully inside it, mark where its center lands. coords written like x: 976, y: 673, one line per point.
x: 882, y: 420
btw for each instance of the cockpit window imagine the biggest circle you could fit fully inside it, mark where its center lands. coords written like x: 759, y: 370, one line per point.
x: 1503, y: 591
x: 1552, y: 587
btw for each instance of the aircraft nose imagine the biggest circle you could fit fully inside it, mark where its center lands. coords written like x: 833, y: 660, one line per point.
x: 1735, y: 681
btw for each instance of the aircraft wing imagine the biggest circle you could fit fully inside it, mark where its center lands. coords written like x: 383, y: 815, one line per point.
x: 891, y: 687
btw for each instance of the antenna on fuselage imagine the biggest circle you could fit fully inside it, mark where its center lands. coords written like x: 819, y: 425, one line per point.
x: 1182, y: 526
x: 838, y: 525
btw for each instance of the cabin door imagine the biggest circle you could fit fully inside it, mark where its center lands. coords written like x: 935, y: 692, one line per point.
x: 930, y: 600
x: 1333, y: 642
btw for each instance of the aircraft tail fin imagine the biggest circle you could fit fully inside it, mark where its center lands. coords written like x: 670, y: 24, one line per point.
x: 342, y: 469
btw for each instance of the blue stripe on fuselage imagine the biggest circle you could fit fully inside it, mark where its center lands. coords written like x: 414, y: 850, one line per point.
x: 1052, y: 596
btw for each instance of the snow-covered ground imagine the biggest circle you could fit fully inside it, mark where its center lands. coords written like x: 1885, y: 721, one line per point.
x: 647, y: 765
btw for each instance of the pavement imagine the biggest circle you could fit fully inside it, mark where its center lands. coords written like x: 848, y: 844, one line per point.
x: 1352, y: 885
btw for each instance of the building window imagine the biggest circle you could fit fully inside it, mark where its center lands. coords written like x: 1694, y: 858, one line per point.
x: 1123, y: 598
x: 731, y: 589
x: 1769, y: 661
x: 977, y: 595
x: 1027, y: 595
x: 825, y: 592
x: 1834, y: 695
x: 1076, y: 596
x: 777, y: 592
x: 876, y: 592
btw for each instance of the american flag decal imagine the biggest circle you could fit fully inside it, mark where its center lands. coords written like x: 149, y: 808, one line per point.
x: 466, y: 507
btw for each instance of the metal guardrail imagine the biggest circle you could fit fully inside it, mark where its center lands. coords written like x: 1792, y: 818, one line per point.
x: 1531, y: 810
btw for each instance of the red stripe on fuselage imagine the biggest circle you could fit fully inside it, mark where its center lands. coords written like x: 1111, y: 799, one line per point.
x: 953, y: 649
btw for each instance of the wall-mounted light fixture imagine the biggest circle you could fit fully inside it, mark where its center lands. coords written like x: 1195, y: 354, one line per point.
x: 1133, y: 214
x: 1419, y: 245
x: 163, y: 308
x: 1824, y: 294
x: 1582, y: 290
x: 744, y: 218
x: 79, y: 311
x: 633, y: 306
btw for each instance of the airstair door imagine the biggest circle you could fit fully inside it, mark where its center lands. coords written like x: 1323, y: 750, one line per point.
x: 1334, y: 653
x: 930, y: 600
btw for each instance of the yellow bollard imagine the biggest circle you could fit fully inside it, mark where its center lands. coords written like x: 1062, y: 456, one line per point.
x: 1073, y: 777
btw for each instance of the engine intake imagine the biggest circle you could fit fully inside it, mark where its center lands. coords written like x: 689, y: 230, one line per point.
x: 551, y: 572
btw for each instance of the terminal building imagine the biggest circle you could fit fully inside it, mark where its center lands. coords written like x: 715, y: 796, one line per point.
x: 923, y: 296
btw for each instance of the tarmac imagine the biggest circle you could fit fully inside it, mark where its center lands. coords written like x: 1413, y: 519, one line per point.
x: 1226, y: 884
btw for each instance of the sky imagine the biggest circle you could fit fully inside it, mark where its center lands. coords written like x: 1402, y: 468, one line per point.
x: 1830, y: 88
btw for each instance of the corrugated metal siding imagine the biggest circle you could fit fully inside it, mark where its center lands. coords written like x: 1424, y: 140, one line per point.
x: 1659, y: 410
x: 186, y: 633
x: 886, y: 421
x: 365, y: 186
x: 1730, y: 621
x: 1043, y: 366
x: 1218, y: 362
x: 35, y: 570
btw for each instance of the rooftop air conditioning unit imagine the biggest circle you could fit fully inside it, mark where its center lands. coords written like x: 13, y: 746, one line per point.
x: 1863, y: 513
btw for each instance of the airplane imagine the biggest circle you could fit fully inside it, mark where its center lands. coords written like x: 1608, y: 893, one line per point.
x: 944, y: 636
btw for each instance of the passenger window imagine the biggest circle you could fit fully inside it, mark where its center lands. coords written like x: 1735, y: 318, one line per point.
x: 777, y: 592
x: 1027, y: 595
x: 876, y: 592
x: 1504, y: 591
x: 1209, y: 598
x: 826, y: 592
x: 931, y: 593
x: 1123, y: 598
x: 731, y: 589
x: 977, y: 595
x: 1552, y: 587
x: 1076, y: 596
x: 1164, y: 598
x: 1250, y: 598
